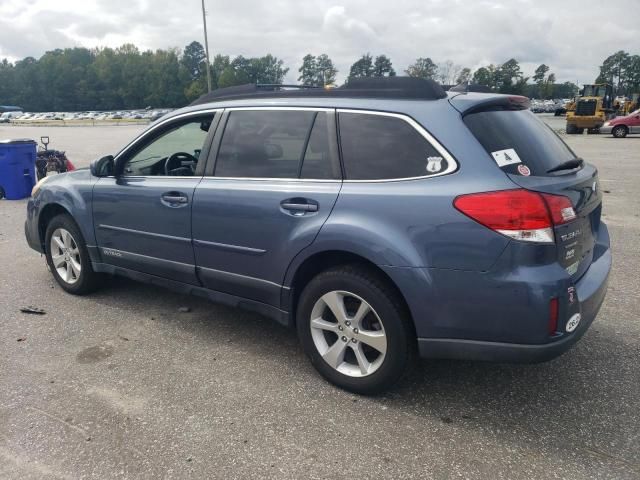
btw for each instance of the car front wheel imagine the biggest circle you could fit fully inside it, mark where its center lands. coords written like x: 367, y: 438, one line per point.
x: 67, y: 256
x: 355, y: 329
x: 619, y: 132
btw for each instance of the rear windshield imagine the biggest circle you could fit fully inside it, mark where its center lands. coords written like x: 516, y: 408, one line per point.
x: 518, y: 141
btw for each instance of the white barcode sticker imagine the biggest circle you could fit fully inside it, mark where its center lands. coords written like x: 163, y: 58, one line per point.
x: 506, y: 157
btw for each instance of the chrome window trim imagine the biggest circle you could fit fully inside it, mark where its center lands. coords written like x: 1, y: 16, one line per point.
x: 452, y: 165
x: 211, y: 177
x: 451, y: 162
x: 282, y: 108
x: 274, y: 179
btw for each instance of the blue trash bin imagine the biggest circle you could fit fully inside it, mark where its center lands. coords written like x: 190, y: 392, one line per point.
x: 17, y: 168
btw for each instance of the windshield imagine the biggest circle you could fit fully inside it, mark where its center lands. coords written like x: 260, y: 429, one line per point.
x: 517, y: 139
x: 595, y: 90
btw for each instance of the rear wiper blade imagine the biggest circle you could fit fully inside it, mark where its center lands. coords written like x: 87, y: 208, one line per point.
x: 568, y: 165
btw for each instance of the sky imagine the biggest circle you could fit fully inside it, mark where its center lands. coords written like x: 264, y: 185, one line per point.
x: 572, y: 37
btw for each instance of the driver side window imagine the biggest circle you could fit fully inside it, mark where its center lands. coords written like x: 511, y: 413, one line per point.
x: 174, y: 152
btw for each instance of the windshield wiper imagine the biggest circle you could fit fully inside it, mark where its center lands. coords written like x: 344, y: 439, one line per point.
x: 568, y: 165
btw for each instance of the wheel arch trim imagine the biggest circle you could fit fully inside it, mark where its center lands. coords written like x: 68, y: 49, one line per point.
x: 312, y: 261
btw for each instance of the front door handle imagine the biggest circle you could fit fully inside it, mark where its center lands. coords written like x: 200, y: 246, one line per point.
x: 299, y: 206
x: 174, y: 199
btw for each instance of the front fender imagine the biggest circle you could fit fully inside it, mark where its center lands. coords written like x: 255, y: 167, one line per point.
x: 71, y: 191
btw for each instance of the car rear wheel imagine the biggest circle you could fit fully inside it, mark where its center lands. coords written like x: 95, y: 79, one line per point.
x: 68, y: 258
x: 619, y: 131
x: 355, y: 329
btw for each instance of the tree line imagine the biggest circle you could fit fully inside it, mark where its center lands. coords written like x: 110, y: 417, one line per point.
x: 77, y: 79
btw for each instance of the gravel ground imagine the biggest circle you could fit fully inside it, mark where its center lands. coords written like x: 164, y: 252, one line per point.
x: 121, y: 384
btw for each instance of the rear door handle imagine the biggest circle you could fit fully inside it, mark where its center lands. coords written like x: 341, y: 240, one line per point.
x: 174, y: 199
x: 299, y: 206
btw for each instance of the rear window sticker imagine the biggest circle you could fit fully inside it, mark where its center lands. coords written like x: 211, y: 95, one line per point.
x: 434, y: 164
x: 506, y: 157
x: 524, y: 170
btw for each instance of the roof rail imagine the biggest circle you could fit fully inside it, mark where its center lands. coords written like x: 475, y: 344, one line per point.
x: 407, y: 88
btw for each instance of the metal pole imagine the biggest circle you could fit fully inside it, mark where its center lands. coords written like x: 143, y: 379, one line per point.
x: 206, y: 47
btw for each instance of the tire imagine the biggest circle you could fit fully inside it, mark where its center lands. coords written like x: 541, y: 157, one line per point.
x: 619, y: 131
x: 74, y: 263
x: 571, y: 129
x: 579, y: 131
x: 385, y: 325
x: 593, y: 131
x: 2, y: 193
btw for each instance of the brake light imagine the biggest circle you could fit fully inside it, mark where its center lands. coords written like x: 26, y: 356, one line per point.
x: 519, y: 214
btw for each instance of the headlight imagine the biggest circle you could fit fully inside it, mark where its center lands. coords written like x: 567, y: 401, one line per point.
x: 37, y: 186
x: 606, y: 124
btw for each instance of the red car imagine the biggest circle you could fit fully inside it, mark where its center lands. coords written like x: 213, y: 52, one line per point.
x: 620, y: 127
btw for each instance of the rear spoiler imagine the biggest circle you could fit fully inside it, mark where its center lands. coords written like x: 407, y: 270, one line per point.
x: 477, y: 102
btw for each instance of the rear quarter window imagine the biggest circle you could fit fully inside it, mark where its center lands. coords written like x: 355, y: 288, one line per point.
x: 519, y: 137
x: 382, y: 147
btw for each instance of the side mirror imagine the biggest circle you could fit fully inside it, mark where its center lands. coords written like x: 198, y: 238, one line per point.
x: 103, y: 167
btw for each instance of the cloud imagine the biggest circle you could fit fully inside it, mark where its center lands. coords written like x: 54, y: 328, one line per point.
x: 571, y: 36
x: 337, y: 22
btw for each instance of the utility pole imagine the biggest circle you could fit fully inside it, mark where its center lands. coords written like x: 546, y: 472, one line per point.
x: 206, y: 47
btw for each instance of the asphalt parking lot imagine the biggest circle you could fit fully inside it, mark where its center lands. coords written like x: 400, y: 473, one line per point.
x: 122, y: 384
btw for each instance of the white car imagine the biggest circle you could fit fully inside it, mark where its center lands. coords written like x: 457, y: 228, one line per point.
x: 7, y: 117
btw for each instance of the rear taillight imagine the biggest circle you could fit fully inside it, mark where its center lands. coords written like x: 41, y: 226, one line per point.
x: 560, y: 208
x: 519, y: 214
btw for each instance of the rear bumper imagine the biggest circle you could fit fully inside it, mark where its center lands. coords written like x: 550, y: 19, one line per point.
x: 591, y: 290
x: 586, y: 121
x: 502, y: 315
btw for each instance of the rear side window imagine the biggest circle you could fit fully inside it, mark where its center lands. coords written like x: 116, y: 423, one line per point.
x: 381, y: 147
x: 518, y: 139
x: 275, y: 144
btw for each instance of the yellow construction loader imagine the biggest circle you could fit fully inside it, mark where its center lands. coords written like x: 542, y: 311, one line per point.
x: 592, y: 108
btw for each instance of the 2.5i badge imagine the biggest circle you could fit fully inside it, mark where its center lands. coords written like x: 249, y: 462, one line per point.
x: 573, y: 322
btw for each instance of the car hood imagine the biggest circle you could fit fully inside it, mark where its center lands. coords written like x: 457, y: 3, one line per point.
x: 78, y: 175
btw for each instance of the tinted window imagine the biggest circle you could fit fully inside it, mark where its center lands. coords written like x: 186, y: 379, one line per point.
x: 172, y: 153
x: 376, y: 147
x: 266, y: 144
x: 318, y: 162
x: 521, y: 136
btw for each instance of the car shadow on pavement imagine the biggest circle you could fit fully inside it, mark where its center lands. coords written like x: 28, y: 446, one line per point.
x: 553, y: 402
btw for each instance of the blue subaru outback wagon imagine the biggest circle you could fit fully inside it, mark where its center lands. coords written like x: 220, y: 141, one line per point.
x: 379, y: 219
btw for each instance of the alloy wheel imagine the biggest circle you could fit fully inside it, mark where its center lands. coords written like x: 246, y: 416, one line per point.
x: 348, y: 333
x: 65, y: 256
